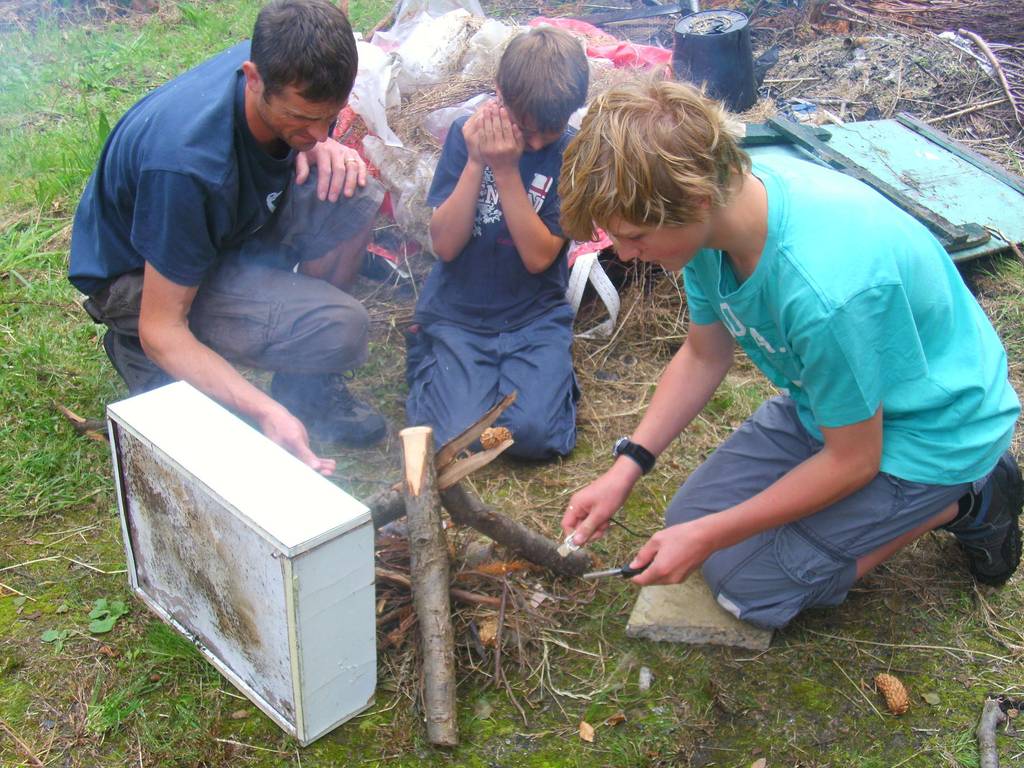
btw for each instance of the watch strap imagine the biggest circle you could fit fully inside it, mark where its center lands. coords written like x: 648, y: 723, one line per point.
x: 644, y: 458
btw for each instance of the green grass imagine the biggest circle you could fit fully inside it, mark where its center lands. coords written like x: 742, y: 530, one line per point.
x: 143, y: 693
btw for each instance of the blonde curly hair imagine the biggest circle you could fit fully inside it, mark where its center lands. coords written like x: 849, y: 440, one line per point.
x: 650, y: 153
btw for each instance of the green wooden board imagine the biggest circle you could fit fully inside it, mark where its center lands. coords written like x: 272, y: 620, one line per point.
x: 935, y: 172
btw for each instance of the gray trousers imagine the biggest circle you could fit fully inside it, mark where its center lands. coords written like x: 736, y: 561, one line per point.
x: 772, y: 576
x: 253, y: 309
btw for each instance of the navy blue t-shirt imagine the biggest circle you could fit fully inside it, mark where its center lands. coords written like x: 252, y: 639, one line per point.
x: 486, y: 288
x: 179, y: 181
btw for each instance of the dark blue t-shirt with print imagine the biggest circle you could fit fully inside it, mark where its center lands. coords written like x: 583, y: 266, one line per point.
x: 180, y: 180
x: 486, y: 288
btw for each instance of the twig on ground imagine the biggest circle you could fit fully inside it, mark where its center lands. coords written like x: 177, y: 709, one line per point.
x: 24, y: 748
x: 94, y: 428
x: 12, y: 589
x: 1020, y: 257
x: 997, y: 70
x: 251, y: 746
x: 400, y: 579
x: 914, y: 646
x: 430, y: 576
x: 999, y: 631
x: 473, y: 598
x: 30, y: 562
x: 859, y: 690
x: 967, y: 110
x: 499, y: 635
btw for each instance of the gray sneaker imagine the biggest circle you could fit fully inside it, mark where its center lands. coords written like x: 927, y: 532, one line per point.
x: 989, y: 532
x: 330, y: 412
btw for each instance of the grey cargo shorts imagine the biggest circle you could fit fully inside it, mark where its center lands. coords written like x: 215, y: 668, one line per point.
x: 772, y: 576
x: 253, y: 309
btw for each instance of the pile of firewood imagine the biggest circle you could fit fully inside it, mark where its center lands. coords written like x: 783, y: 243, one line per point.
x: 422, y: 596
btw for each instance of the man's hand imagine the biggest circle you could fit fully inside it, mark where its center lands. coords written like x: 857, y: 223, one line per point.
x: 287, y: 431
x: 674, y: 553
x: 590, y: 509
x: 168, y: 341
x: 501, y: 141
x: 339, y: 169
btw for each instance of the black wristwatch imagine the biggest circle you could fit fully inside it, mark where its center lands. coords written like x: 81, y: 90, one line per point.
x: 626, y: 447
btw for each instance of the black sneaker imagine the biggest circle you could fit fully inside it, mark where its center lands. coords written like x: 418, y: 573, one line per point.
x: 988, y: 531
x: 330, y: 412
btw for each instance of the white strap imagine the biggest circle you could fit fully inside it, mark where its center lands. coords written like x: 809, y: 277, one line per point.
x: 586, y: 269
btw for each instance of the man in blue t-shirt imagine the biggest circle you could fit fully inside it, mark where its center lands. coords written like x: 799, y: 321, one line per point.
x: 896, y: 413
x: 492, y: 317
x: 222, y: 223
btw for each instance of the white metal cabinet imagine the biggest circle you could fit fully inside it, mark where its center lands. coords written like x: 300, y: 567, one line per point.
x: 265, y: 565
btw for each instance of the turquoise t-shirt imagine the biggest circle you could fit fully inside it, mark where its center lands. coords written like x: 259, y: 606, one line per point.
x: 854, y: 304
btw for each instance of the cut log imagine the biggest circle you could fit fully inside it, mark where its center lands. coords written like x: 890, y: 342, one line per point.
x: 430, y: 579
x: 992, y: 717
x: 386, y: 506
x: 466, y: 508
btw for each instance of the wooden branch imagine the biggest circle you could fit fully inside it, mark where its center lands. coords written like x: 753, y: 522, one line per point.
x: 464, y: 439
x: 388, y: 505
x: 430, y: 583
x: 383, y: 574
x: 94, y: 428
x: 992, y: 716
x: 386, y: 22
x: 998, y: 71
x: 466, y: 508
x: 472, y: 598
x: 457, y: 470
x: 464, y: 595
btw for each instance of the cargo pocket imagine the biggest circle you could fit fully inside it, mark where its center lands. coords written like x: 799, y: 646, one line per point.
x: 805, y: 558
x: 237, y: 327
x: 122, y: 302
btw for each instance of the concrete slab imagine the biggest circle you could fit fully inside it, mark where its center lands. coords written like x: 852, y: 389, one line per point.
x: 688, y: 613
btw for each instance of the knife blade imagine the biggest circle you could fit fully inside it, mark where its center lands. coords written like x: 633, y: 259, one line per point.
x: 624, y: 571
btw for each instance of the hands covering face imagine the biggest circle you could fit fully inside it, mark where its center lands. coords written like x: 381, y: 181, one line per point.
x: 492, y: 138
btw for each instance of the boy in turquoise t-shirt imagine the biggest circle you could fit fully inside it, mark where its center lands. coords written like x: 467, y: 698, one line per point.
x: 896, y: 414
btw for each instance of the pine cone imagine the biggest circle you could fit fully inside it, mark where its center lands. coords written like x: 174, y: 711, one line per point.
x: 492, y: 437
x: 896, y: 697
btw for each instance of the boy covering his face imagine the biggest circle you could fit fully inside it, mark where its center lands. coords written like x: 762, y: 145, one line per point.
x: 492, y: 317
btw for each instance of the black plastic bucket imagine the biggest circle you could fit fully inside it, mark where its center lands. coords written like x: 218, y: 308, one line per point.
x: 712, y: 48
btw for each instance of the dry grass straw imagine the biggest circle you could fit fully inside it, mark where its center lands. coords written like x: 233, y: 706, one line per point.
x: 406, y: 120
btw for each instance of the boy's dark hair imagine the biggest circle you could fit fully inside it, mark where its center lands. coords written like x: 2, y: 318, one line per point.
x: 307, y: 44
x: 544, y: 75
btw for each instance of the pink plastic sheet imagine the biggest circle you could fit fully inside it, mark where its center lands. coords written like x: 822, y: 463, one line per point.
x: 600, y: 45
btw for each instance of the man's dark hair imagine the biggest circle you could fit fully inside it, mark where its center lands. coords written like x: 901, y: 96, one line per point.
x: 307, y: 44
